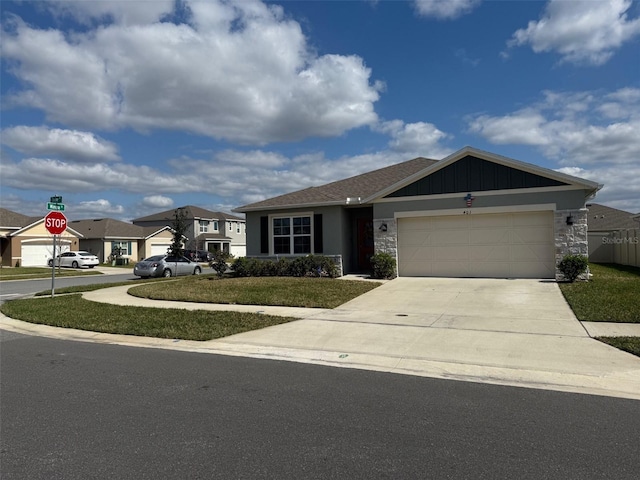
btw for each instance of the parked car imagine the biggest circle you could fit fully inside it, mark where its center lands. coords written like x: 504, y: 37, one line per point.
x: 166, y: 266
x: 199, y: 255
x: 75, y: 260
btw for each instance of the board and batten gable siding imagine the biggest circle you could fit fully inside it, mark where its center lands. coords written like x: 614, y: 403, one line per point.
x: 472, y: 174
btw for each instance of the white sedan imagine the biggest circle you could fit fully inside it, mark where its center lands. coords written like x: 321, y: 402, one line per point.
x: 75, y: 260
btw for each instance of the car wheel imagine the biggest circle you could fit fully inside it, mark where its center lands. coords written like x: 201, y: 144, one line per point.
x: 50, y: 263
x: 166, y: 273
x: 197, y: 271
x: 74, y: 264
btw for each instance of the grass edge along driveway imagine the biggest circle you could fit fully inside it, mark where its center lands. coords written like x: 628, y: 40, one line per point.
x: 611, y: 295
x: 72, y: 311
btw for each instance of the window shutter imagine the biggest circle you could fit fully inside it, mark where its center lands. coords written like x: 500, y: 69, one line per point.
x: 317, y: 233
x: 264, y: 234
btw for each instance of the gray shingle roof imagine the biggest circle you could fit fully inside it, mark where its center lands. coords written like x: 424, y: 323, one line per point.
x: 603, y: 218
x: 109, y: 228
x: 363, y: 186
x: 10, y: 219
x: 192, y: 212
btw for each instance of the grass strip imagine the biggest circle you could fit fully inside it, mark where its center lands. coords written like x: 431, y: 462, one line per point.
x: 72, y: 311
x: 611, y: 295
x: 628, y: 344
x: 278, y: 291
x: 32, y: 273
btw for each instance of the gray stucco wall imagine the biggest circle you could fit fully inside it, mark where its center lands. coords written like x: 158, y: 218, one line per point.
x: 334, y: 220
x: 563, y: 199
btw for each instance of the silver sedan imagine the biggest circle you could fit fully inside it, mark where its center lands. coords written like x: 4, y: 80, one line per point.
x: 166, y: 266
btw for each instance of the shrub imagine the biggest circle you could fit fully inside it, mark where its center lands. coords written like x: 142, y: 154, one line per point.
x: 307, y: 266
x: 383, y: 266
x: 572, y: 266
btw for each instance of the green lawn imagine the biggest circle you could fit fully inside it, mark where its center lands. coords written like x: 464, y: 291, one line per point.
x: 72, y: 311
x: 612, y: 294
x: 281, y: 291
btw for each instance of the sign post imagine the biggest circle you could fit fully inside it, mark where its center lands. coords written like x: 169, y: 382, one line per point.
x: 55, y: 222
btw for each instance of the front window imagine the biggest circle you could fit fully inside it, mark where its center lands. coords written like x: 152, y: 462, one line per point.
x: 123, y: 247
x: 215, y: 225
x: 292, y: 235
x: 204, y: 226
x: 238, y: 227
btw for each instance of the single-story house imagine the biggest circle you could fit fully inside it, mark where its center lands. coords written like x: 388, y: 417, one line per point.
x: 471, y: 214
x: 607, y: 232
x: 25, y: 242
x: 103, y: 236
x: 207, y: 230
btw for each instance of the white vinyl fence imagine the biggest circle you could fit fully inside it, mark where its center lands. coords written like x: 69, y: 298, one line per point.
x: 626, y: 247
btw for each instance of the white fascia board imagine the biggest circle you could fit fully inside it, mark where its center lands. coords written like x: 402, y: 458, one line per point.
x: 294, y: 206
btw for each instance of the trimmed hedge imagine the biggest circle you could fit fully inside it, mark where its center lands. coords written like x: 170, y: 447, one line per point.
x: 383, y: 266
x: 572, y: 266
x: 307, y: 266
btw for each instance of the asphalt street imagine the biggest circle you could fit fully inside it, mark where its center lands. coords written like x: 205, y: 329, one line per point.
x: 75, y: 410
x: 22, y: 288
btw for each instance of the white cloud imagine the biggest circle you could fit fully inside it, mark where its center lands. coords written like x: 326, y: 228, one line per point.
x: 591, y: 135
x: 445, y: 9
x: 73, y: 145
x: 240, y: 71
x: 582, y: 32
x: 574, y: 127
x: 97, y: 209
x: 121, y: 11
x: 418, y: 139
x: 157, y: 201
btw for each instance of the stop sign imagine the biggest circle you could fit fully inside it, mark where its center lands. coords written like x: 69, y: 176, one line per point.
x: 55, y: 223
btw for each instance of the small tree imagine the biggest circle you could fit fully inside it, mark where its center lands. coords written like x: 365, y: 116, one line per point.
x: 179, y: 225
x: 219, y: 262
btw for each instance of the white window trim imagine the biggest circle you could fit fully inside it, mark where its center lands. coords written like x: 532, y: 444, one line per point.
x: 291, y: 215
x: 203, y: 226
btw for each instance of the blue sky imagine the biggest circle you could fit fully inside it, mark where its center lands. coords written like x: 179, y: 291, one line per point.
x: 126, y: 108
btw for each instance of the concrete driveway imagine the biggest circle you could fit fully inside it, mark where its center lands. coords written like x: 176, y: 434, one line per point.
x: 514, y: 332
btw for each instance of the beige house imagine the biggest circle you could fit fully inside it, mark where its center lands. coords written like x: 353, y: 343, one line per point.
x: 24, y: 240
x: 104, y: 236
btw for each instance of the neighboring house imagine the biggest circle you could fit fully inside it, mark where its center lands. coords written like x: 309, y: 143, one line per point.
x: 472, y: 214
x: 103, y: 236
x: 207, y: 230
x: 24, y: 241
x: 606, y: 227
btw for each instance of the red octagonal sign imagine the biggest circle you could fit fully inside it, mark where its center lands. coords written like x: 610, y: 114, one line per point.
x: 55, y: 222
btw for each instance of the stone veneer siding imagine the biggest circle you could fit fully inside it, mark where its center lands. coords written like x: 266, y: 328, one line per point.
x: 386, y: 241
x: 570, y: 239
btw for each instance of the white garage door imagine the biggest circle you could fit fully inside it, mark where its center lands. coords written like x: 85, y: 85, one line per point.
x: 38, y: 254
x: 238, y: 250
x: 159, y: 248
x: 506, y: 245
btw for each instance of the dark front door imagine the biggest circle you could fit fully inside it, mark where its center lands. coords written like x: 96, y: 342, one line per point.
x: 365, y: 243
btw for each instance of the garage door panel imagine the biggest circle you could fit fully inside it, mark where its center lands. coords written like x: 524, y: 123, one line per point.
x: 448, y: 253
x: 494, y: 253
x: 478, y: 245
x: 488, y: 236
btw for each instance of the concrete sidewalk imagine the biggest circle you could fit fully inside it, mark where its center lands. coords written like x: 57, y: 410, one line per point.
x: 507, y: 332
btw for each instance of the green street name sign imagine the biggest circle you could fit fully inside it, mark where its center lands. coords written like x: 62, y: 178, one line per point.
x: 55, y: 206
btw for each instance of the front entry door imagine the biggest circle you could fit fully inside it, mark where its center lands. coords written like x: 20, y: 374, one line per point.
x: 365, y: 243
